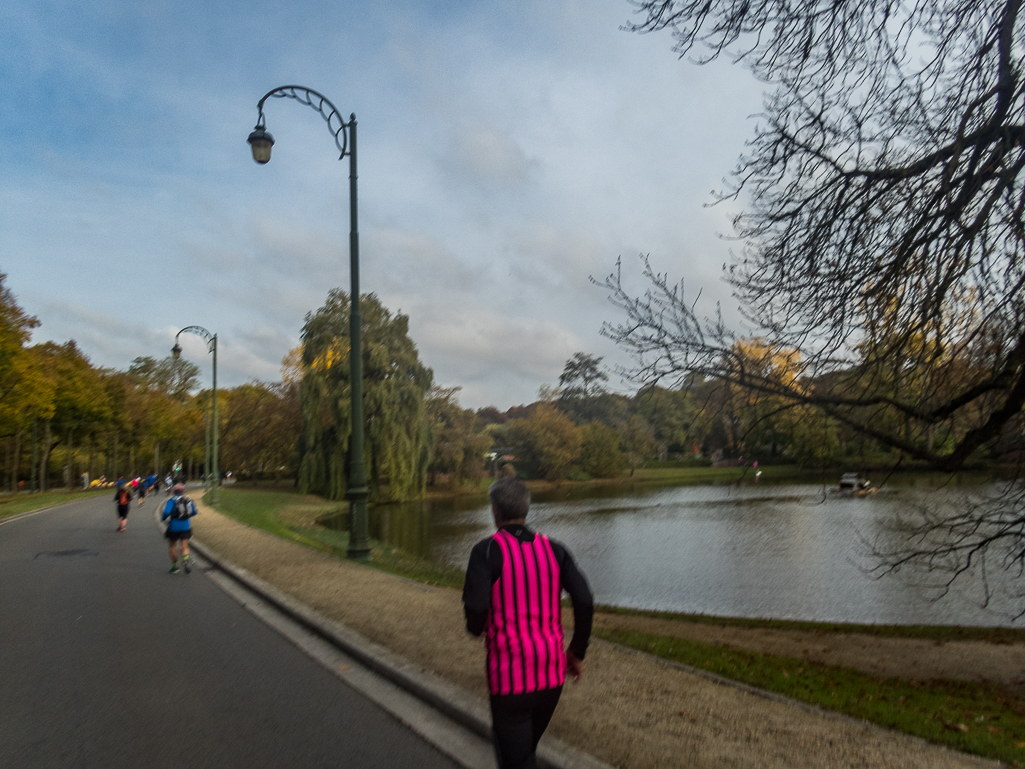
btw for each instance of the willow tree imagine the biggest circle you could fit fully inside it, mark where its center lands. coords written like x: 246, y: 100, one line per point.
x: 459, y: 442
x: 395, y: 384
x: 883, y: 236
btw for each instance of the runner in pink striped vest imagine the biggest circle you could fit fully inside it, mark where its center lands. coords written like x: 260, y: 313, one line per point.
x: 514, y: 584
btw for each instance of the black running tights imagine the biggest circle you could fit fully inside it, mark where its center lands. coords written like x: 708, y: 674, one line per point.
x: 518, y: 721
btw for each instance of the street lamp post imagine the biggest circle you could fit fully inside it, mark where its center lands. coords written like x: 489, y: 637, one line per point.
x: 211, y: 345
x: 206, y: 454
x: 345, y: 140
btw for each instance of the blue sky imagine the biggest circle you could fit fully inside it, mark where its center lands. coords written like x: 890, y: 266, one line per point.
x: 507, y: 152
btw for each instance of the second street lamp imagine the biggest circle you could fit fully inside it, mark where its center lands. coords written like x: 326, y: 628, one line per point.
x: 345, y: 140
x: 211, y: 345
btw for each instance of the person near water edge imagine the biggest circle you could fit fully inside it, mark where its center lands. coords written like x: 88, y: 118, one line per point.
x: 180, y: 510
x: 512, y: 595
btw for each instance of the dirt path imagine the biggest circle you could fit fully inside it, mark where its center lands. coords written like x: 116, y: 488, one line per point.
x: 630, y: 710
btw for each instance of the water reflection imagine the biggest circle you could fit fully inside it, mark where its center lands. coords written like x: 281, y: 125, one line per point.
x: 794, y: 552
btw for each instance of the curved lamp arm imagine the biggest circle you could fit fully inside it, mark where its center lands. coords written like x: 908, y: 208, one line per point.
x: 211, y: 339
x: 310, y: 98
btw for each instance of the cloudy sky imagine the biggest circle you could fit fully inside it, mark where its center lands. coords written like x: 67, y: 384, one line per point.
x: 507, y: 152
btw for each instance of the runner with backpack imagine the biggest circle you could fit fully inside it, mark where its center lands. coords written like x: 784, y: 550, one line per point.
x: 123, y: 499
x: 179, y: 509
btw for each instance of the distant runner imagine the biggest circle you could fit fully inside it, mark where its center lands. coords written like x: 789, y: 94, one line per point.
x: 179, y: 509
x: 513, y: 586
x: 123, y: 500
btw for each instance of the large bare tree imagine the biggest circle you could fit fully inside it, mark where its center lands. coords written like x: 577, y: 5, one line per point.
x: 882, y: 239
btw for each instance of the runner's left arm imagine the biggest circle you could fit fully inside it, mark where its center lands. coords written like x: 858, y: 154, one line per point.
x: 477, y: 587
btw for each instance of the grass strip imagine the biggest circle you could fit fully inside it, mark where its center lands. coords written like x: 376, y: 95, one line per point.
x: 269, y: 511
x: 977, y: 718
x: 998, y: 635
x: 24, y: 502
x: 260, y: 509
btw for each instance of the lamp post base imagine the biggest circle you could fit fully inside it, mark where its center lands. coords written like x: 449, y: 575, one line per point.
x: 359, y: 546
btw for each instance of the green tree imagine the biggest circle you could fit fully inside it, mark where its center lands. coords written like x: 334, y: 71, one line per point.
x: 546, y: 443
x: 459, y: 442
x: 173, y: 377
x: 582, y: 377
x: 582, y: 393
x: 260, y: 428
x: 395, y: 387
x: 638, y: 441
x: 671, y: 413
x: 600, y: 455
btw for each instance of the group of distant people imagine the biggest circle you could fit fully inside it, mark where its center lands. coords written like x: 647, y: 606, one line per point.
x: 178, y: 510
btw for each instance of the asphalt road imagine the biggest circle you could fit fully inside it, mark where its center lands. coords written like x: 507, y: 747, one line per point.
x: 106, y: 660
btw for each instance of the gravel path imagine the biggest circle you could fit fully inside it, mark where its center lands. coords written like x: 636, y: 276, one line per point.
x: 630, y: 710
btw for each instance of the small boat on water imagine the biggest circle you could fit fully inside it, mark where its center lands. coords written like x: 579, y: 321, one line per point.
x: 854, y: 485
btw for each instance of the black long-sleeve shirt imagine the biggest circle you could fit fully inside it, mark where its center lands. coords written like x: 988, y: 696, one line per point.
x: 485, y: 567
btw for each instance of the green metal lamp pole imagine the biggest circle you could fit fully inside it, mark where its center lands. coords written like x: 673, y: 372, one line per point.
x: 345, y: 140
x: 211, y: 344
x: 206, y: 455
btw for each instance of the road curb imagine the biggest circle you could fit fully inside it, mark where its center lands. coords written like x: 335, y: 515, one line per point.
x: 454, y: 702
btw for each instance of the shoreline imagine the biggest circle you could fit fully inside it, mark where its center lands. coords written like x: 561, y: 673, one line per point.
x: 771, y: 475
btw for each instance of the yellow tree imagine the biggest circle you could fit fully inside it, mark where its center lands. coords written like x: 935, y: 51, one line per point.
x: 546, y: 443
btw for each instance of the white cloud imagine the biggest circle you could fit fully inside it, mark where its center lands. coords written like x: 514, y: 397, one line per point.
x: 507, y: 152
x: 487, y: 157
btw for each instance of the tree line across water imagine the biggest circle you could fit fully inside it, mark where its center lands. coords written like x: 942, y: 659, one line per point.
x: 62, y: 417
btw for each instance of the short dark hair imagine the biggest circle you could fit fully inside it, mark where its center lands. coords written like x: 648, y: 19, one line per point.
x: 510, y: 499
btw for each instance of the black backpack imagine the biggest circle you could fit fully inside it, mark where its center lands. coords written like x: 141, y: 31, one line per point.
x: 183, y: 509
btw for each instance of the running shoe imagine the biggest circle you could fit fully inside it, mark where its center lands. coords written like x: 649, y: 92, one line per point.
x: 188, y: 565
x: 174, y: 568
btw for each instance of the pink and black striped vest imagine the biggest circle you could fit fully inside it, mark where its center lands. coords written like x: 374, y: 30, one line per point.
x: 524, y: 634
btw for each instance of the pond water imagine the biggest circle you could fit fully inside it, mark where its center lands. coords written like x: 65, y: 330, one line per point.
x: 784, y: 551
